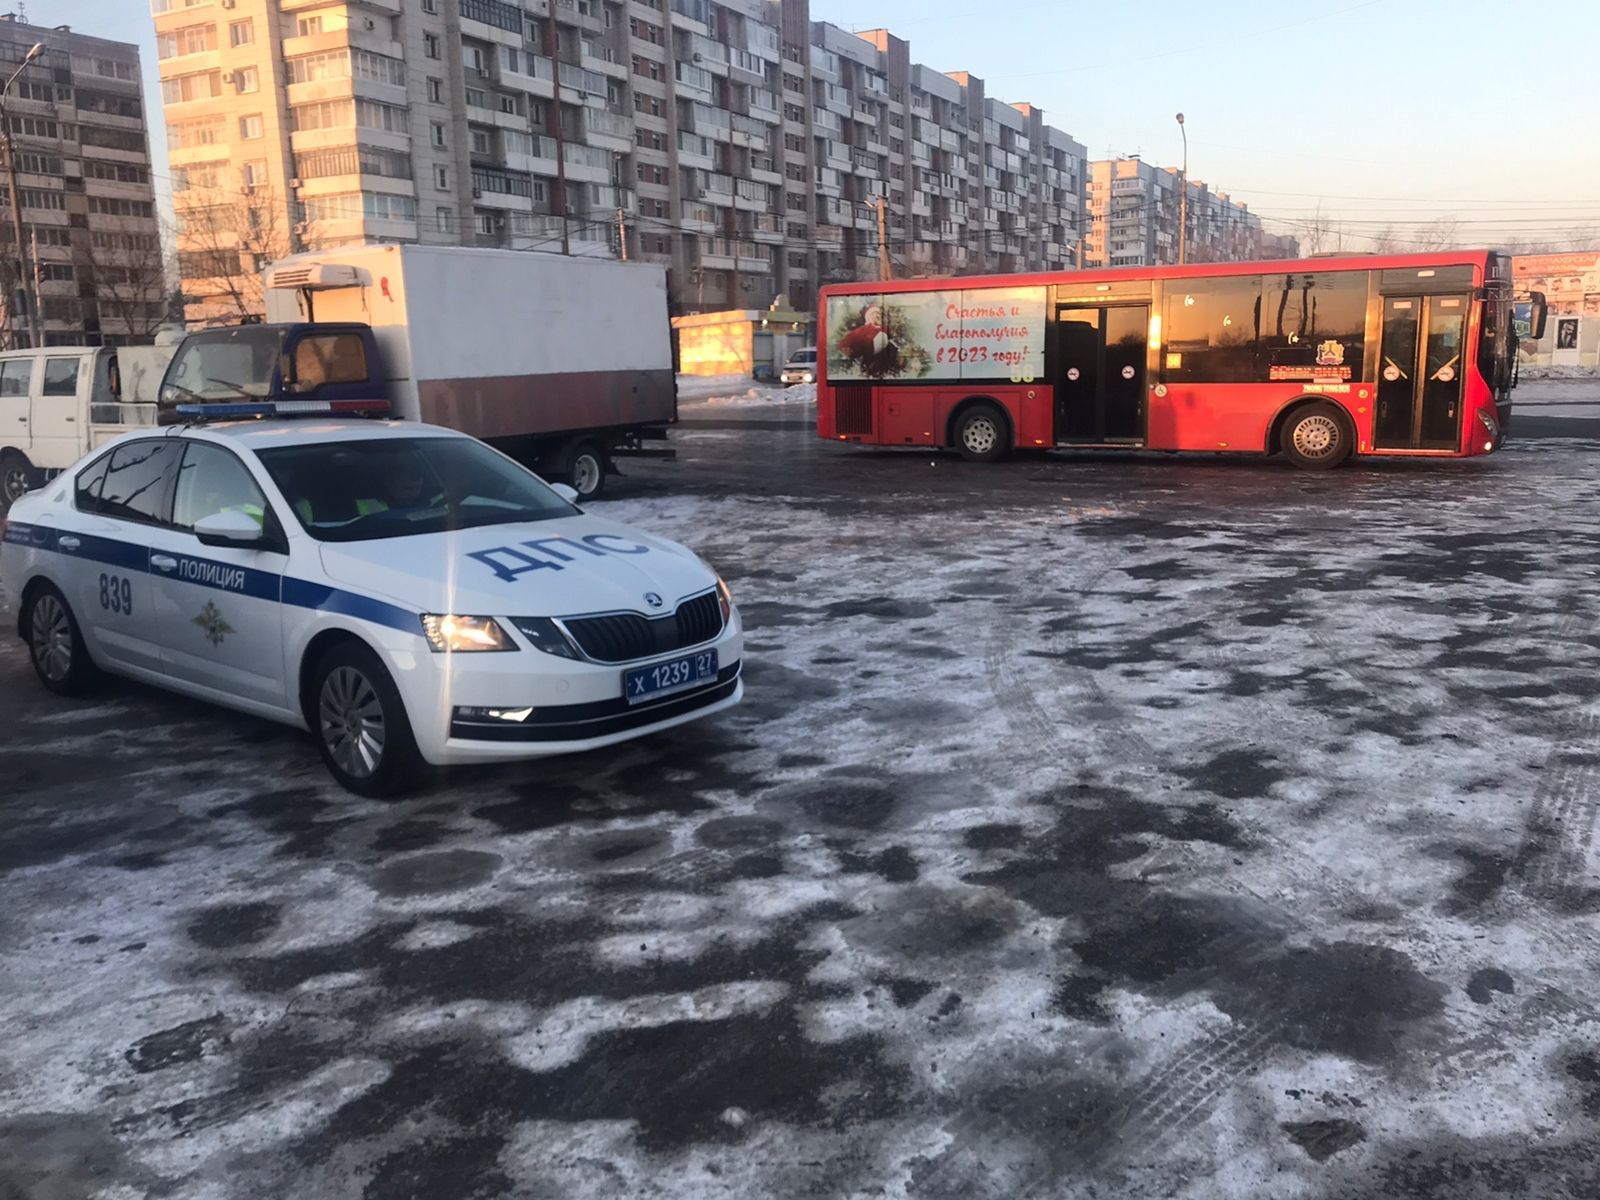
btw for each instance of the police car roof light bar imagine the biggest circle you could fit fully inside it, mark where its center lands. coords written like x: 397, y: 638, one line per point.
x: 282, y: 408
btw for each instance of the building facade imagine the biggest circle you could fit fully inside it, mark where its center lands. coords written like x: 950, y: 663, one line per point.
x: 1136, y: 214
x: 756, y: 153
x: 92, y: 249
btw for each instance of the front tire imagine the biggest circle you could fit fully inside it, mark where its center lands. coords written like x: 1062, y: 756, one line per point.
x: 55, y: 644
x: 16, y: 477
x: 360, y: 724
x: 982, y: 434
x: 1316, y: 437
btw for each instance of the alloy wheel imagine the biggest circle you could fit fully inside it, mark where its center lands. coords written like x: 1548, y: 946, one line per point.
x: 351, y: 717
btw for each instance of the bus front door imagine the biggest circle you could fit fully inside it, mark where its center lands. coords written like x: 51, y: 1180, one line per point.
x: 1420, y: 368
x: 1100, y: 372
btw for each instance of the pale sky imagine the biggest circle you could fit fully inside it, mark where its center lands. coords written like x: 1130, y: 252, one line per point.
x: 1384, y: 111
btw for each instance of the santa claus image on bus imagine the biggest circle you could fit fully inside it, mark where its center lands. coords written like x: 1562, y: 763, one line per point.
x: 870, y: 346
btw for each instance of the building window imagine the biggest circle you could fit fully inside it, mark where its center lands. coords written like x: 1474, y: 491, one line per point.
x: 250, y: 128
x: 472, y: 58
x: 241, y: 33
x: 510, y: 59
x: 476, y: 98
x: 435, y: 91
x: 308, y: 26
x: 431, y: 6
x: 480, y: 142
x: 508, y: 104
x: 441, y: 178
x: 254, y: 174
x: 194, y: 39
x: 430, y: 45
x: 247, y: 80
x: 436, y: 131
x: 442, y: 217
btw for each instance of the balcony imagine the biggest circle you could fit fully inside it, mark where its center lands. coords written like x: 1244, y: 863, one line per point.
x: 751, y: 196
x: 613, y: 131
x: 764, y: 170
x: 691, y: 14
x: 829, y: 182
x: 695, y: 83
x: 750, y: 132
x: 699, y: 218
x: 537, y: 78
x: 696, y: 151
x: 603, y: 61
x: 767, y: 228
x: 588, y: 164
x: 579, y: 84
x: 706, y: 54
x: 834, y: 99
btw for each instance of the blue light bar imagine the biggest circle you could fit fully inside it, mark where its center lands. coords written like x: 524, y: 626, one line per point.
x: 281, y: 408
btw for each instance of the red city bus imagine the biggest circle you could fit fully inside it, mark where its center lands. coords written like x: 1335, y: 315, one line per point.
x: 1317, y: 358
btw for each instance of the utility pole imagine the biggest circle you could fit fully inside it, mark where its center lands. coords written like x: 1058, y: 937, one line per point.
x: 1183, y: 198
x: 24, y: 272
x: 885, y: 268
x: 622, y: 216
x: 552, y: 47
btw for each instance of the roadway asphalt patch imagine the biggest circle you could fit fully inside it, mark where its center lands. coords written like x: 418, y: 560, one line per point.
x: 184, y: 1043
x: 1321, y: 1140
x: 224, y: 925
x: 437, y: 873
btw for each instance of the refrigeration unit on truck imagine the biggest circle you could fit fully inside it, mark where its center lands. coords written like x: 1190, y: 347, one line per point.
x: 563, y: 363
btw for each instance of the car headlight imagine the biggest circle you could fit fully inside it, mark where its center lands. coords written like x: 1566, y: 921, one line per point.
x: 456, y: 634
x: 546, y: 635
x: 726, y: 597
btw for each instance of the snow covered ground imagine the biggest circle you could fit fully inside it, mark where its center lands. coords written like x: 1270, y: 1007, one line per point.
x: 718, y: 392
x: 1125, y: 827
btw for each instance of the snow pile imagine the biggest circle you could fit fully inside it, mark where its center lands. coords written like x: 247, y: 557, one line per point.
x: 737, y: 391
x: 1573, y: 371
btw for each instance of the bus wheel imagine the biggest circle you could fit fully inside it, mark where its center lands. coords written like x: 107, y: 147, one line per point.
x: 981, y: 433
x: 1316, y: 437
x: 15, y: 478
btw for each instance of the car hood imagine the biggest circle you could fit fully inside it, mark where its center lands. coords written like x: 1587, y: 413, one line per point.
x: 579, y: 564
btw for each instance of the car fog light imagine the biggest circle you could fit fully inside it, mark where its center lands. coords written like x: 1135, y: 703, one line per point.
x: 493, y: 714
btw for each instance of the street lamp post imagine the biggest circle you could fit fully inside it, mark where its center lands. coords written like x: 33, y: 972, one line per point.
x: 24, y: 268
x: 1183, y: 198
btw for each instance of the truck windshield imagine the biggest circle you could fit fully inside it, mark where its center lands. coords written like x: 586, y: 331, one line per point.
x: 223, y: 364
x: 399, y: 487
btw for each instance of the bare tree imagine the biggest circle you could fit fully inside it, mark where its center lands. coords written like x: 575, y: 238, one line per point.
x: 1443, y: 233
x: 1387, y: 241
x: 1322, y: 235
x: 224, y: 240
x: 1584, y: 238
x: 128, y: 271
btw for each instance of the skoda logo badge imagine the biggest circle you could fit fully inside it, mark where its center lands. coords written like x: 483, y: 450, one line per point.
x: 653, y: 600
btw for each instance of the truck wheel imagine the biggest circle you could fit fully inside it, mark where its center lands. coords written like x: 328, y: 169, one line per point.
x: 16, y: 476
x: 587, y: 471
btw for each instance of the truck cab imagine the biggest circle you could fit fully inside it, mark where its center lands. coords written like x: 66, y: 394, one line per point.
x: 58, y: 403
x: 274, y: 362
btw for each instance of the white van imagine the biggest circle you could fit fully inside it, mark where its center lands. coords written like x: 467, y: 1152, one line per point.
x: 801, y: 367
x: 57, y: 404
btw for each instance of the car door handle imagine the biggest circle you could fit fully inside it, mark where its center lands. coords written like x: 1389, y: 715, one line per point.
x: 163, y: 562
x: 68, y: 542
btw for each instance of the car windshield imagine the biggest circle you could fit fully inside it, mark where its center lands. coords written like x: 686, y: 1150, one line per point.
x: 804, y: 356
x: 223, y: 364
x: 397, y: 487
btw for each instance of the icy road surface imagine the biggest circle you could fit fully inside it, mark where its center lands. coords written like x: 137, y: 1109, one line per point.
x: 1131, y: 827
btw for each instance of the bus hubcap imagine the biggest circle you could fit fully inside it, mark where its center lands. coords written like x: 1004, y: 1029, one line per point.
x: 981, y: 435
x: 52, y: 639
x: 1316, y: 437
x: 351, y: 717
x: 14, y: 484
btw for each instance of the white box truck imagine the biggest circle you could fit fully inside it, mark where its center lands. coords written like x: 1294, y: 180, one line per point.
x: 563, y: 363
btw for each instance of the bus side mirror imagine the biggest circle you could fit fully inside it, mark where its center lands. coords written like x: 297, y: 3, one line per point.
x: 1538, y: 310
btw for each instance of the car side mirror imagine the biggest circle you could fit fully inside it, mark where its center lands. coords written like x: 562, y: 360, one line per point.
x: 231, y: 528
x: 568, y: 494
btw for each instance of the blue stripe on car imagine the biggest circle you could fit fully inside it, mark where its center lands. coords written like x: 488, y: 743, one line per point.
x: 220, y: 576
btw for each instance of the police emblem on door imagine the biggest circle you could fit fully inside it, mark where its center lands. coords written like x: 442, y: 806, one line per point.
x: 213, y: 624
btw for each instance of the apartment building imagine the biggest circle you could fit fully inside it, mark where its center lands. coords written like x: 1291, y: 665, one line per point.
x: 92, y: 249
x: 736, y: 141
x: 1136, y: 213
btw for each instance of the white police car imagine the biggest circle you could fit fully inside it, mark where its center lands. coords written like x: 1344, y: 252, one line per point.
x: 403, y: 591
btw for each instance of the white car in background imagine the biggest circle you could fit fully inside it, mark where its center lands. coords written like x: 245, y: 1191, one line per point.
x: 801, y: 367
x: 406, y: 593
